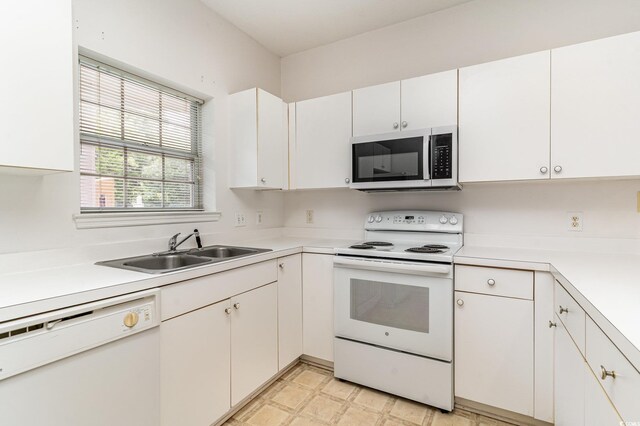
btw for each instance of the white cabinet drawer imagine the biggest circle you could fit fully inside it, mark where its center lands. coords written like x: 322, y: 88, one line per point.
x: 187, y: 296
x: 624, y: 389
x: 494, y: 281
x: 571, y: 314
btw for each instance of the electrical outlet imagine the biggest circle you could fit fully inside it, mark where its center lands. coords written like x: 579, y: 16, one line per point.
x: 241, y: 220
x: 575, y: 221
x: 259, y: 217
x: 309, y: 216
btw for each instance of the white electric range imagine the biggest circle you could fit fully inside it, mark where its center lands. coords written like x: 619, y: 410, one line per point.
x: 393, y: 305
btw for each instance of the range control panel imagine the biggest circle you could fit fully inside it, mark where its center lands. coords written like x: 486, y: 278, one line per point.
x: 418, y: 220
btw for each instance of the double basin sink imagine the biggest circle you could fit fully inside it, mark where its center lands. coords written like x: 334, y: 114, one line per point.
x: 176, y: 261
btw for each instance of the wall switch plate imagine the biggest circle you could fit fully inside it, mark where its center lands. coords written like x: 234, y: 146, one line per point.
x: 575, y: 221
x: 309, y: 216
x: 241, y: 220
x: 259, y: 217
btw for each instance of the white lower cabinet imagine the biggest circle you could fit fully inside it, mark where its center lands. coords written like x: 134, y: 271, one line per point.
x: 195, y: 366
x: 494, y: 351
x: 598, y: 410
x: 254, y: 340
x: 289, y: 309
x: 569, y: 369
x: 317, y: 303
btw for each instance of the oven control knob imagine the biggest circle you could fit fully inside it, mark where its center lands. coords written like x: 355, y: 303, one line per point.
x: 378, y: 219
x: 453, y: 220
x: 371, y: 219
x: 131, y: 319
x: 444, y: 219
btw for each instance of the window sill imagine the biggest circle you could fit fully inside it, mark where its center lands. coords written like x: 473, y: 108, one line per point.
x: 115, y: 220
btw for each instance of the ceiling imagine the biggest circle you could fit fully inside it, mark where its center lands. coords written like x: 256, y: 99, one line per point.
x: 289, y: 26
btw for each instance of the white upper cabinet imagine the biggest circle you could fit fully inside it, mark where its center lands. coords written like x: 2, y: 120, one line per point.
x: 429, y: 101
x: 416, y: 103
x: 257, y: 140
x: 504, y: 119
x: 595, y: 114
x: 320, y: 146
x: 376, y: 109
x: 36, y: 81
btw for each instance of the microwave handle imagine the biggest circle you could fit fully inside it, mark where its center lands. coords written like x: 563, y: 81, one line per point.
x: 426, y: 157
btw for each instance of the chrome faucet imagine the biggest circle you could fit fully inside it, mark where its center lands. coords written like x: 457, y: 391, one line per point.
x: 173, y: 241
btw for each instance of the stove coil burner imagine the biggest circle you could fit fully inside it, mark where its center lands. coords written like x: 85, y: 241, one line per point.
x: 378, y: 243
x: 436, y: 246
x: 424, y: 250
x: 362, y: 246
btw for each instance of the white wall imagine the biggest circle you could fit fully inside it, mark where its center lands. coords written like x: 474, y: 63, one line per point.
x: 475, y: 32
x: 181, y: 43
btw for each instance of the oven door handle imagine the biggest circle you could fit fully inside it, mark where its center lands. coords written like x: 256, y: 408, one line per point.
x: 385, y: 266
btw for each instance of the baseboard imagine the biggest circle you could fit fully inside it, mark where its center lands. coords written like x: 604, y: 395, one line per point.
x: 498, y: 413
x: 318, y: 362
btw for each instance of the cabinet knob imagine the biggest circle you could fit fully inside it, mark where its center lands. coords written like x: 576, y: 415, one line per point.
x: 227, y: 311
x: 395, y: 125
x: 131, y: 319
x: 460, y: 302
x: 605, y: 373
x: 557, y: 169
x: 544, y: 170
x: 552, y: 324
x: 563, y: 310
x: 263, y: 180
x: 281, y: 265
x: 347, y: 180
x: 236, y: 305
x: 404, y: 124
x: 491, y: 282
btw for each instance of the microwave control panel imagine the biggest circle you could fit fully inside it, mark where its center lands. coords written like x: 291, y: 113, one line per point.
x: 442, y: 156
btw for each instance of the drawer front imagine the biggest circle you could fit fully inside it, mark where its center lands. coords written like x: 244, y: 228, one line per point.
x: 494, y: 281
x: 180, y: 298
x: 624, y: 389
x: 571, y: 315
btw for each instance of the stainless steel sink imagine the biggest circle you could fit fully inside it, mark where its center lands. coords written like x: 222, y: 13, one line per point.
x: 176, y: 261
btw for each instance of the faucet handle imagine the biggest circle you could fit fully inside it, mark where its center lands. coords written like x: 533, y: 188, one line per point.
x: 172, y: 241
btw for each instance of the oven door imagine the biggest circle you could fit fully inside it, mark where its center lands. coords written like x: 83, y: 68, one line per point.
x: 407, y: 306
x: 392, y: 160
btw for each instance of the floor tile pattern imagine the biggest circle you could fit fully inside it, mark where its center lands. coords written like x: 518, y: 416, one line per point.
x: 310, y: 396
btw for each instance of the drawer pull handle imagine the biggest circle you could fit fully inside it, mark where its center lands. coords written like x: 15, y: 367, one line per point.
x: 606, y: 373
x: 491, y: 282
x: 563, y: 310
x: 552, y: 324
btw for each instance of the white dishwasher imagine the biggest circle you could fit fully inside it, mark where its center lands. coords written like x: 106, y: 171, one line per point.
x: 94, y: 364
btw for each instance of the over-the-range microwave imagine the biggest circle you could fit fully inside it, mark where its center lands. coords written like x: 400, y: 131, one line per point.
x: 425, y: 159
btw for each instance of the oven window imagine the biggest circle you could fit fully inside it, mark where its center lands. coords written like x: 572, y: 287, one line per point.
x: 393, y: 305
x: 397, y: 159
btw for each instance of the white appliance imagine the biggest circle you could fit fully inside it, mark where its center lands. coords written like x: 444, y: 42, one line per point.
x: 393, y: 305
x: 425, y: 159
x: 94, y: 364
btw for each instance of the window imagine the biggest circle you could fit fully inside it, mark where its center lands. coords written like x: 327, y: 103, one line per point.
x: 140, y: 143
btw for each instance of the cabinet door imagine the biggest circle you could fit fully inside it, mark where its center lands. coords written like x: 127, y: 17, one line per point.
x: 271, y: 141
x: 543, y: 296
x: 376, y: 109
x: 598, y: 408
x: 569, y: 379
x: 504, y: 119
x: 254, y: 340
x: 430, y: 101
x: 317, y: 305
x: 322, y: 156
x: 195, y: 366
x: 596, y: 105
x: 489, y: 367
x: 36, y: 82
x: 289, y: 309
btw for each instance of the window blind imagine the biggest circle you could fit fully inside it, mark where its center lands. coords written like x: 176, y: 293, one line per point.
x: 140, y: 143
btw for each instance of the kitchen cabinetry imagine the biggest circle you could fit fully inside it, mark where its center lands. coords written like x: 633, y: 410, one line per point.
x: 257, y: 140
x: 416, y: 103
x: 598, y: 410
x: 543, y: 346
x: 596, y: 104
x: 489, y: 367
x: 504, y: 120
x: 36, y: 81
x: 569, y: 379
x: 317, y: 302
x: 321, y: 144
x: 289, y: 309
x: 254, y: 340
